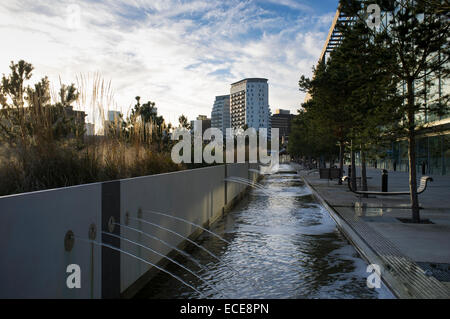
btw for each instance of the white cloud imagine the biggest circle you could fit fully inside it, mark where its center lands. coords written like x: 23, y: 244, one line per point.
x: 292, y: 4
x: 179, y: 54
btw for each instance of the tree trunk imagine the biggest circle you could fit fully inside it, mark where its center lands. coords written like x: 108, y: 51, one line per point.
x: 412, y: 156
x: 413, y: 177
x: 353, y: 174
x: 341, y: 161
x: 363, y: 171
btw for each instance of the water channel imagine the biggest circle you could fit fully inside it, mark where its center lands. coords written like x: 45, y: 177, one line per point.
x: 282, y: 243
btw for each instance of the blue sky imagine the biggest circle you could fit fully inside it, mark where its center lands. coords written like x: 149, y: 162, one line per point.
x: 179, y: 54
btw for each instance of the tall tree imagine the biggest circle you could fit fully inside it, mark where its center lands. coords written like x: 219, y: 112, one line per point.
x: 144, y: 118
x: 360, y: 62
x: 330, y: 109
x: 308, y: 137
x: 183, y: 120
x: 28, y: 115
x: 417, y: 33
x: 13, y: 95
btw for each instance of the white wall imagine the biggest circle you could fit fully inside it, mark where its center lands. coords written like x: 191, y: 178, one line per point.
x: 32, y: 229
x: 196, y: 195
x: 233, y: 170
x: 33, y: 225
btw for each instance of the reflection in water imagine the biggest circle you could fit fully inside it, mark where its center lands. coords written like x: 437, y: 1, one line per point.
x: 293, y: 250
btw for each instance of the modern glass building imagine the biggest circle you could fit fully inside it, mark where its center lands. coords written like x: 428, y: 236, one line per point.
x: 433, y: 138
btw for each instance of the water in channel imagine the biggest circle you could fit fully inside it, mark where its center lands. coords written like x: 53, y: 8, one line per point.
x: 283, y: 244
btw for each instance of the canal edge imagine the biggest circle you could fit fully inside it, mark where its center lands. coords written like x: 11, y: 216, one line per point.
x: 135, y: 288
x: 361, y: 246
x: 400, y: 274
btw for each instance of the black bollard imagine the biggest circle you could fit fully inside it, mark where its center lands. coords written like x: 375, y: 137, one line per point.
x: 384, y: 181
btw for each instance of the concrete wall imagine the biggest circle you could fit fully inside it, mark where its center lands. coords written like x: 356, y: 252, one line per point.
x: 33, y: 226
x: 32, y: 229
x: 196, y: 195
x: 236, y: 170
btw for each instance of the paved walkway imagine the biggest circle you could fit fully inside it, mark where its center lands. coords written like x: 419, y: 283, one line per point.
x: 423, y: 250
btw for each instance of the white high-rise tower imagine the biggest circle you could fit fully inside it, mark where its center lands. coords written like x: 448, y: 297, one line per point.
x: 250, y: 104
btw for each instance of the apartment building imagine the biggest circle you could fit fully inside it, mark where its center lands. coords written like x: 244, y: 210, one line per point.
x: 249, y: 104
x: 220, y: 115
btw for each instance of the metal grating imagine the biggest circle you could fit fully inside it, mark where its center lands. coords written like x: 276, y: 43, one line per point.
x: 439, y: 271
x: 416, y: 283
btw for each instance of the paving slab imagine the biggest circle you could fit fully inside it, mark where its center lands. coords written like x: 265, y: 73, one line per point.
x: 421, y: 243
x: 399, y: 246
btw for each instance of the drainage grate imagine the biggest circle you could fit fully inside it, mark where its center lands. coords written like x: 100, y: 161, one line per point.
x: 439, y: 271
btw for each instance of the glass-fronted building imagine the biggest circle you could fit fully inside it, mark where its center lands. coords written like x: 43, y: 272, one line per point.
x: 433, y: 138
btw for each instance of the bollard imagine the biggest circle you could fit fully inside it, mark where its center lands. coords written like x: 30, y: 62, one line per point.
x: 384, y: 181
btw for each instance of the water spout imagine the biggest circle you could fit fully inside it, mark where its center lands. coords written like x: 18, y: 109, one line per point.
x: 166, y: 257
x: 185, y: 254
x: 187, y: 239
x: 142, y: 260
x: 190, y: 257
x: 194, y: 243
x: 247, y: 183
x: 199, y: 227
x: 244, y: 180
x: 188, y: 222
x: 202, y: 228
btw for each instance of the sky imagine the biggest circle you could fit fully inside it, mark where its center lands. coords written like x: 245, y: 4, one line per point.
x: 179, y: 54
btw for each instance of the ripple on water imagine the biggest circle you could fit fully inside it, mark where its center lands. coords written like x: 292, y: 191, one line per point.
x: 283, y: 244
